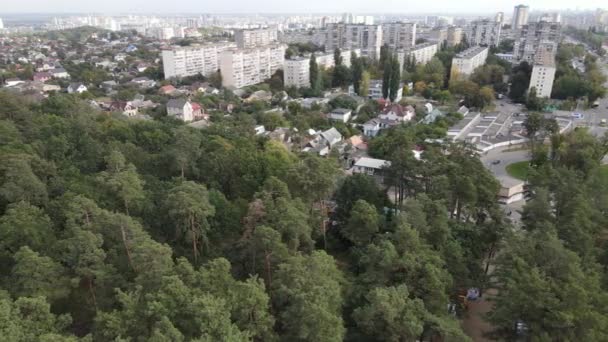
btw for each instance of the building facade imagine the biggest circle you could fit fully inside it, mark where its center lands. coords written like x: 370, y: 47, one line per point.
x: 193, y: 60
x: 520, y: 16
x: 530, y: 37
x: 245, y: 67
x: 543, y: 71
x: 454, y: 36
x: 367, y: 38
x: 399, y: 36
x: 297, y: 72
x: 327, y: 60
x: 464, y: 63
x: 247, y: 39
x: 483, y: 32
x: 421, y: 53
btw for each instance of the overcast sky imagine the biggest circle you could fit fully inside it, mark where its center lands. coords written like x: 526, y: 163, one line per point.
x: 284, y: 6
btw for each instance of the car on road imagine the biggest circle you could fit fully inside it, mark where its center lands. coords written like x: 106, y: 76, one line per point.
x: 578, y: 116
x: 603, y: 122
x: 496, y: 162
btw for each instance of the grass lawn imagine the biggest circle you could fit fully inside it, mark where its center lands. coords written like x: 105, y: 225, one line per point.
x: 518, y: 170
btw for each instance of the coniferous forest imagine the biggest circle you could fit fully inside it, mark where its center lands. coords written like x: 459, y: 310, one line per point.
x: 115, y: 229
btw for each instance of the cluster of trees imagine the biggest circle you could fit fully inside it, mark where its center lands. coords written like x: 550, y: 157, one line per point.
x: 575, y: 84
x: 391, y: 74
x: 113, y: 228
x: 590, y: 36
x: 551, y: 277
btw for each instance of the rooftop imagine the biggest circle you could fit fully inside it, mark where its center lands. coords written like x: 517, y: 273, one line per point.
x: 372, y: 163
x: 471, y: 52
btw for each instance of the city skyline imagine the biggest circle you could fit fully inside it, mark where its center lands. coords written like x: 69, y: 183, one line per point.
x: 278, y: 7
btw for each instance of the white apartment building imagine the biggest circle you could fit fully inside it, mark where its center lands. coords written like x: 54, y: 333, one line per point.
x: 543, y: 71
x: 297, y: 72
x: 367, y: 38
x: 483, y: 32
x: 245, y: 67
x: 421, y: 53
x: 520, y: 16
x: 399, y: 36
x: 193, y: 60
x: 438, y: 35
x: 543, y: 75
x: 530, y: 37
x: 464, y: 63
x: 454, y: 36
x: 327, y: 60
x: 161, y: 33
x: 247, y: 39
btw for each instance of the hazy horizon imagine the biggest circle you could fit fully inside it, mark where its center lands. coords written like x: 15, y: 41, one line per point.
x: 279, y: 7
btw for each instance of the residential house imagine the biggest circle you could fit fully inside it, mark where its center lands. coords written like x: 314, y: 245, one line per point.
x: 432, y: 116
x: 391, y: 115
x: 125, y: 107
x: 59, y: 73
x: 331, y: 136
x: 108, y: 86
x: 323, y: 142
x: 372, y: 127
x: 341, y: 114
x: 370, y: 166
x: 397, y: 113
x: 77, y: 88
x: 141, y: 67
x: 167, y: 90
x: 180, y: 109
x: 42, y: 76
x: 143, y: 82
x: 199, y: 112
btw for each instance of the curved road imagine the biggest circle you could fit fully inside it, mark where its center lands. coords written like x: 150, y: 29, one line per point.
x: 499, y: 170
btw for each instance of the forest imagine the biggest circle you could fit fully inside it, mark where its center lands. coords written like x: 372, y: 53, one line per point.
x: 115, y: 229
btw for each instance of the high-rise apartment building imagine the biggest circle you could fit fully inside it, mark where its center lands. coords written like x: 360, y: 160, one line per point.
x: 520, y: 16
x: 245, y: 67
x: 454, y: 36
x: 1, y: 24
x: 465, y: 62
x: 247, y: 39
x: 297, y: 72
x: 399, y: 36
x: 327, y: 60
x: 193, y: 60
x: 543, y: 71
x: 530, y: 37
x: 420, y: 54
x: 348, y: 18
x: 483, y: 32
x: 439, y: 35
x: 367, y: 38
